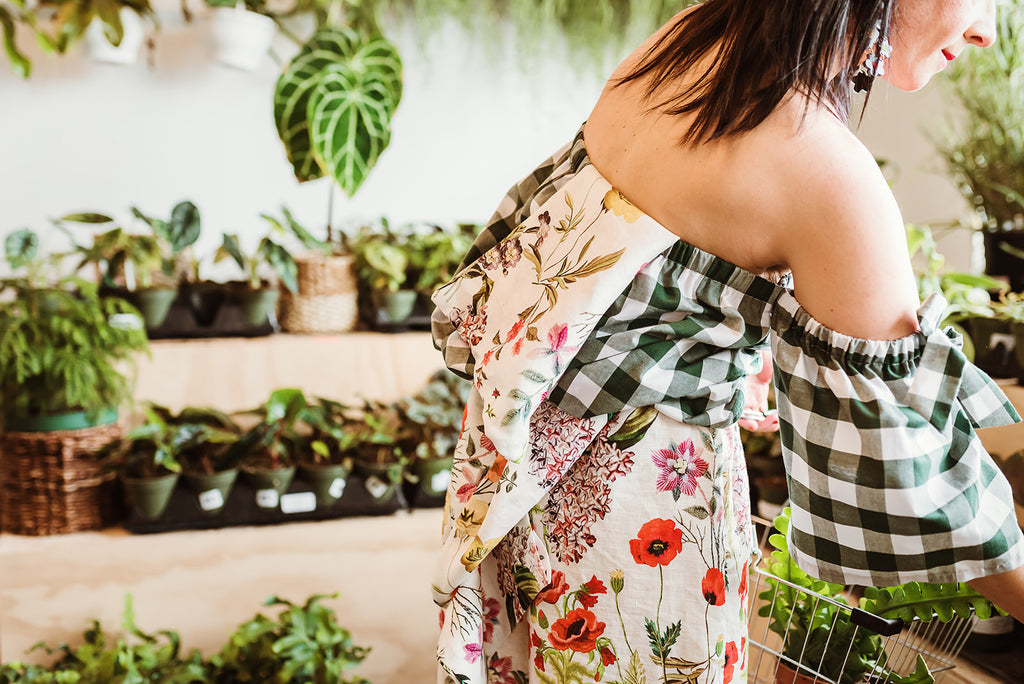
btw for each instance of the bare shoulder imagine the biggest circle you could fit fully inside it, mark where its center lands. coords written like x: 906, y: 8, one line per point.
x: 845, y: 242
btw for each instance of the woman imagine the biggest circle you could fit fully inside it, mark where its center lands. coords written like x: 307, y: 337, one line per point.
x: 597, y: 525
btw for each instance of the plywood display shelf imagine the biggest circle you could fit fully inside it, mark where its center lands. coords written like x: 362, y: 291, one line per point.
x: 235, y: 374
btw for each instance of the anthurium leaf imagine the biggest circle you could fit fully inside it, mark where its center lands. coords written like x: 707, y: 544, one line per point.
x: 291, y: 95
x: 350, y: 115
x: 21, y: 65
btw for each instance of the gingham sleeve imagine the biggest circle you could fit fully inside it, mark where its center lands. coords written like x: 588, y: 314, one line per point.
x: 888, y: 480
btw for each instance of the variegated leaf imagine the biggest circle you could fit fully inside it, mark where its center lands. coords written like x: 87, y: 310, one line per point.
x: 350, y: 123
x: 344, y: 58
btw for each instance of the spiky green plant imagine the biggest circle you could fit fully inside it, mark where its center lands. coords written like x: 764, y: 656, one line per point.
x: 985, y: 152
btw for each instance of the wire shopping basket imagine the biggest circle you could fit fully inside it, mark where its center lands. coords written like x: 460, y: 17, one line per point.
x: 801, y: 636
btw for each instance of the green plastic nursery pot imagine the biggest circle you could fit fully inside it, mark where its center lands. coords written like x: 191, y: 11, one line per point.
x: 327, y: 481
x: 993, y: 346
x: 149, y: 496
x: 377, y: 479
x: 212, y: 489
x: 434, y: 475
x: 154, y: 304
x: 71, y: 420
x: 256, y: 305
x: 269, y: 484
x: 396, y: 306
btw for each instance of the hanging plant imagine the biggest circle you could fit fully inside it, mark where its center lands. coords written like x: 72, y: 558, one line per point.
x: 334, y: 102
x: 591, y: 31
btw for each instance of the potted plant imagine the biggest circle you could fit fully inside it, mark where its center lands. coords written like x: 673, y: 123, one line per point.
x: 435, y: 256
x: 242, y: 32
x: 64, y: 355
x: 812, y: 616
x: 209, y: 464
x: 177, y: 236
x: 969, y: 307
x: 130, y: 266
x: 383, y: 442
x: 326, y: 298
x: 986, y: 152
x: 113, y: 29
x: 382, y: 266
x: 258, y: 297
x: 327, y: 463
x: 148, y: 457
x: 434, y: 417
x: 270, y: 448
x: 64, y: 350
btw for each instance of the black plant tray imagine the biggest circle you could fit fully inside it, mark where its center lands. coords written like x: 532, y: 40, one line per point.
x: 228, y: 322
x: 183, y: 511
x: 377, y: 320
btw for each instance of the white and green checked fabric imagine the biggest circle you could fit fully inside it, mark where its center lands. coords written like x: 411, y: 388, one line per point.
x: 889, y: 482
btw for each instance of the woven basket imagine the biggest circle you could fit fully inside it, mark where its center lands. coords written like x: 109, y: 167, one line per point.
x: 327, y: 298
x: 333, y: 313
x: 52, y: 482
x: 320, y: 274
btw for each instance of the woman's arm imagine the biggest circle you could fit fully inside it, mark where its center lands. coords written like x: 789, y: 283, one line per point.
x: 1006, y: 590
x: 847, y: 249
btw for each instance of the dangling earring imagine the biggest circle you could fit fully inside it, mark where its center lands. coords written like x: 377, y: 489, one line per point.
x: 874, y: 59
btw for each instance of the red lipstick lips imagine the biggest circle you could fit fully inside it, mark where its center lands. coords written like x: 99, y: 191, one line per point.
x: 948, y: 55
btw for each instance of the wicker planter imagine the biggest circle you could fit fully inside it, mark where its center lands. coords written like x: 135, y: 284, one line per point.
x: 52, y: 482
x: 327, y: 297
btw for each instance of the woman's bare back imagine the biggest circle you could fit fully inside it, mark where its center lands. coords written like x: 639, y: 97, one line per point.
x: 799, y: 193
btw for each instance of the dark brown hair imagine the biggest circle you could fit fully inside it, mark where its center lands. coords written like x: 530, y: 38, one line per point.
x: 765, y: 49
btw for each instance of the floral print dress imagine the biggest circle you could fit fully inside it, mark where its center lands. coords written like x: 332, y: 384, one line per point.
x: 607, y: 548
x: 596, y: 527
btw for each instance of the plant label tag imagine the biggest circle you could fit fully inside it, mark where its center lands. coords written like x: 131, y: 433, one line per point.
x: 439, y: 481
x: 1008, y: 341
x: 267, y: 498
x: 298, y: 502
x: 376, y: 486
x: 337, y: 487
x: 211, y: 500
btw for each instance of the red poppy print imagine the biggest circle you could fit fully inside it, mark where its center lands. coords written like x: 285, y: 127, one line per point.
x: 577, y: 631
x: 657, y: 543
x: 743, y: 582
x: 732, y: 656
x: 679, y: 468
x: 587, y: 595
x: 607, y: 657
x: 554, y: 591
x: 713, y: 587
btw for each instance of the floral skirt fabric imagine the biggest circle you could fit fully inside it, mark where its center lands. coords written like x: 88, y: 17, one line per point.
x: 649, y: 540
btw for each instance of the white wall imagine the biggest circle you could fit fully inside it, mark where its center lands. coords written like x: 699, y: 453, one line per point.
x: 80, y: 135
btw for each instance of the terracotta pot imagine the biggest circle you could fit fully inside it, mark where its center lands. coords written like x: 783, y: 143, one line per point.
x: 785, y: 674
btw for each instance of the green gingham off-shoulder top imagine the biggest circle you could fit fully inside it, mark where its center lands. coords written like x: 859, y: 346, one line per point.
x: 888, y: 481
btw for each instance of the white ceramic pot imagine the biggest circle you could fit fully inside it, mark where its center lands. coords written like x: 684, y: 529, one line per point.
x: 100, y: 49
x: 242, y: 37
